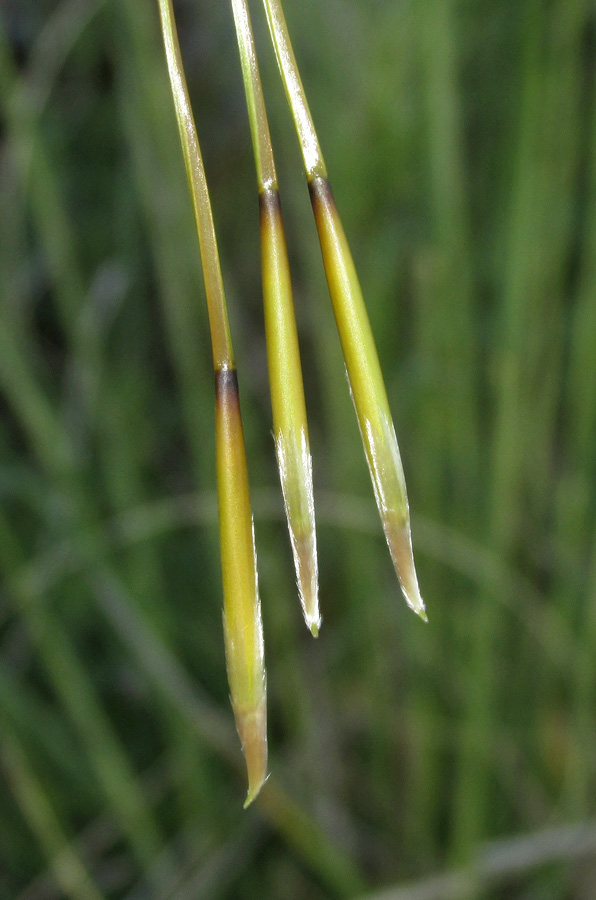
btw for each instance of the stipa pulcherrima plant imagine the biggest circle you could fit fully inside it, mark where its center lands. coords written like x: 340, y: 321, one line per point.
x: 243, y: 633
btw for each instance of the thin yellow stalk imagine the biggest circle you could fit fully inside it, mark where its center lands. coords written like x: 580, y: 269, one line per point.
x: 285, y: 374
x: 286, y: 61
x: 360, y: 354
x: 223, y: 356
x: 255, y: 101
x: 243, y: 631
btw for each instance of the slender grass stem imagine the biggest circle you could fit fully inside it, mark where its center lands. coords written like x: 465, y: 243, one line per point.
x: 359, y: 350
x: 290, y: 426
x: 255, y: 101
x: 223, y: 356
x: 286, y: 61
x: 243, y: 629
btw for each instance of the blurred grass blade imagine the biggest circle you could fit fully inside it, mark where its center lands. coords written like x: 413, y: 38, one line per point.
x: 360, y: 354
x: 68, y: 869
x: 243, y: 630
x: 285, y: 374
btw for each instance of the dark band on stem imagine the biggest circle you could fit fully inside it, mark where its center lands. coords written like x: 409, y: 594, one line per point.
x: 269, y: 204
x: 321, y: 194
x: 226, y: 386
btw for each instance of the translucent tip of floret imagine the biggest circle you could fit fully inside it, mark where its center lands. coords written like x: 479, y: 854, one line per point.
x: 295, y: 469
x: 252, y: 727
x: 400, y: 546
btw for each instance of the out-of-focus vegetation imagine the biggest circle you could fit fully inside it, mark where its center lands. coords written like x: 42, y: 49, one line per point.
x: 461, y: 142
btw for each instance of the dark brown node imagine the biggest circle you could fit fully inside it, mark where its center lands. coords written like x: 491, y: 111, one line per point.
x: 321, y: 193
x: 226, y: 386
x: 269, y: 204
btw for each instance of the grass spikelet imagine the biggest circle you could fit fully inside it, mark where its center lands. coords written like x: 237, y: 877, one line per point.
x: 285, y: 374
x: 243, y: 631
x: 358, y: 346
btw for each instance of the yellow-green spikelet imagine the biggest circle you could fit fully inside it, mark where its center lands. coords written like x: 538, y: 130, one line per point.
x: 289, y: 412
x: 243, y: 630
x: 367, y: 388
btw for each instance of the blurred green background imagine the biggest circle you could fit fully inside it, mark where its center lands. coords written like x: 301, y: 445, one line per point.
x: 460, y: 137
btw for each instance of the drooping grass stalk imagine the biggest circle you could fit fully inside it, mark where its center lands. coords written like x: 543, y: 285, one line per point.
x: 285, y: 373
x: 360, y: 354
x: 243, y: 629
